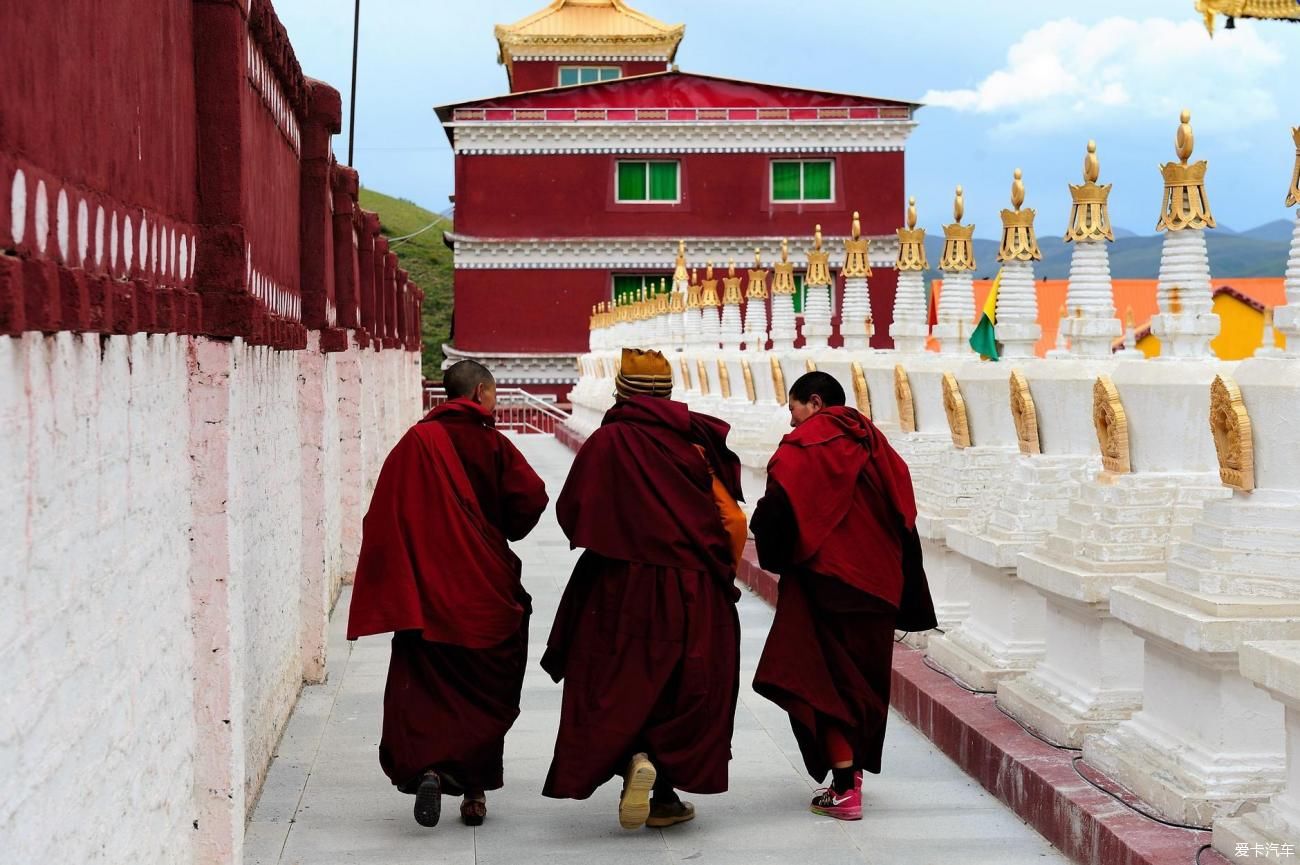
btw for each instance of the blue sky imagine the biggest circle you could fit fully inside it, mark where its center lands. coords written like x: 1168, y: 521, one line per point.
x: 1007, y: 84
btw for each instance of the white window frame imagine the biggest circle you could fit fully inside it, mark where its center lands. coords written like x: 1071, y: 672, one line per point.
x: 648, y: 199
x: 771, y: 182
x: 559, y: 74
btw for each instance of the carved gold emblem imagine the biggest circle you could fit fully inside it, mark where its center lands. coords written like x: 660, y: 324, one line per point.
x: 749, y: 380
x: 860, y: 390
x: 686, y: 374
x: 1109, y: 418
x: 778, y: 381
x: 703, y: 374
x: 724, y: 380
x: 903, y: 396
x: 1230, y: 425
x: 954, y: 405
x: 1024, y: 414
x: 810, y: 365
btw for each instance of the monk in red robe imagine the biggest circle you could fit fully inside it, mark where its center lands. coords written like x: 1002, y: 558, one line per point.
x: 646, y: 638
x: 437, y: 571
x: 838, y: 523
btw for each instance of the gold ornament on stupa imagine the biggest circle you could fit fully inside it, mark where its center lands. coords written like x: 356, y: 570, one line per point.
x: 1018, y: 241
x: 1185, y: 203
x: 1090, y: 213
x: 693, y: 290
x: 819, y: 271
x: 679, y: 272
x: 709, y: 287
x: 661, y: 297
x: 1293, y: 194
x: 857, y: 251
x: 958, y: 253
x: 676, y: 303
x: 1265, y: 10
x: 911, y: 243
x: 591, y: 322
x: 783, y: 270
x: 757, y: 287
x: 731, y: 285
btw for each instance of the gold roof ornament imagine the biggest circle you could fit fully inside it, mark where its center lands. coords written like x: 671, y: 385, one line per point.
x: 676, y: 303
x: 709, y: 287
x: 661, y: 297
x: 757, y: 287
x: 1018, y: 241
x: 1185, y: 203
x: 1293, y: 194
x: 783, y: 280
x: 693, y: 290
x: 819, y: 272
x: 911, y: 243
x: 679, y: 272
x: 587, y: 28
x: 1273, y: 10
x: 958, y: 253
x: 1090, y: 212
x: 731, y: 285
x: 857, y: 250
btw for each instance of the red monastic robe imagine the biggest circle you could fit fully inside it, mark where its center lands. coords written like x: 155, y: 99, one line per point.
x: 646, y: 638
x: 436, y: 570
x: 838, y: 523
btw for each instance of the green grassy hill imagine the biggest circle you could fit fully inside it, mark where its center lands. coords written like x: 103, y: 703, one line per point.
x: 427, y: 260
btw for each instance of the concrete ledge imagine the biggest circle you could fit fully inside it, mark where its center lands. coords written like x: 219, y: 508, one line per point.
x: 1035, y: 780
x: 569, y: 438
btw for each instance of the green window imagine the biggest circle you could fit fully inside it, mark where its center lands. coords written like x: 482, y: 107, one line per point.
x: 647, y: 181
x: 627, y: 287
x: 798, y: 293
x: 587, y: 74
x: 808, y: 180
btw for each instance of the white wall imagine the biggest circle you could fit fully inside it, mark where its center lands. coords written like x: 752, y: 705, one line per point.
x: 176, y: 515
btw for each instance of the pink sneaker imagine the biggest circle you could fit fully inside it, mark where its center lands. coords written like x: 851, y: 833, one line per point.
x: 842, y: 806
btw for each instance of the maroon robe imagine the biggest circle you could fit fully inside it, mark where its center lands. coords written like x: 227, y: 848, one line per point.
x: 838, y: 523
x: 436, y: 570
x: 646, y: 638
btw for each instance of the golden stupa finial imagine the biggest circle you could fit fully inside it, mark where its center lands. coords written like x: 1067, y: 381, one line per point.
x: 1090, y: 212
x: 783, y: 272
x: 1185, y: 202
x: 911, y: 243
x: 958, y: 251
x: 693, y: 290
x: 857, y: 252
x: 1293, y: 194
x: 731, y: 285
x: 679, y: 272
x: 1018, y: 240
x: 757, y: 285
x: 819, y: 271
x: 709, y: 288
x: 662, y: 301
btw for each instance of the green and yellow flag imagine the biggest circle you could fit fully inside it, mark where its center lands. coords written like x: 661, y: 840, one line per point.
x: 984, y: 338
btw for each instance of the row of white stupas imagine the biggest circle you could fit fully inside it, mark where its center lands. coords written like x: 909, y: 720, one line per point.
x: 1113, y: 543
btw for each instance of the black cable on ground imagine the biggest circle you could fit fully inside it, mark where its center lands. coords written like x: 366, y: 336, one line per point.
x: 958, y: 682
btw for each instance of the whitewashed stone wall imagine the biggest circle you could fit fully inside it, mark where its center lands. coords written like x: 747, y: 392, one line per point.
x: 177, y: 515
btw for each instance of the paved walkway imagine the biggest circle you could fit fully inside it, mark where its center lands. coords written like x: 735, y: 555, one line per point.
x: 326, y: 802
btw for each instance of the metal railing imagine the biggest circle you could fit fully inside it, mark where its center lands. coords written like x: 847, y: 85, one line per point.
x: 517, y: 410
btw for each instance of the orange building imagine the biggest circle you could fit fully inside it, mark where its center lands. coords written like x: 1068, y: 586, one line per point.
x: 1239, y: 303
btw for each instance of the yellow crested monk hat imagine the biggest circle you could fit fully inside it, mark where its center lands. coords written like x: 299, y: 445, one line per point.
x: 643, y: 373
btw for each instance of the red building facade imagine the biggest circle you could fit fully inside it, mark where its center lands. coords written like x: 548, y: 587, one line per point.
x: 567, y: 193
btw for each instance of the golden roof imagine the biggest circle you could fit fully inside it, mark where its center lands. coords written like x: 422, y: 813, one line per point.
x: 1283, y: 10
x: 588, y: 27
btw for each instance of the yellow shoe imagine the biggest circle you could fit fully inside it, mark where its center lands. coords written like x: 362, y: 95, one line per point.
x: 634, y: 802
x: 670, y: 815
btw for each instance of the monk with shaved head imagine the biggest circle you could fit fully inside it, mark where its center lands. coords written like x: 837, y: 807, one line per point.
x: 436, y: 570
x: 838, y: 523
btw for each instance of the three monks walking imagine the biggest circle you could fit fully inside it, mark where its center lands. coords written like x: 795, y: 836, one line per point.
x: 646, y: 639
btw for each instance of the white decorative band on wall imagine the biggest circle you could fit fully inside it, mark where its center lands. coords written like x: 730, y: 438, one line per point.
x: 492, y: 253
x: 519, y: 368
x: 758, y: 136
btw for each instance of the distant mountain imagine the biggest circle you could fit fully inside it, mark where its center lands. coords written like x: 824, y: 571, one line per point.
x: 1261, y: 251
x: 1123, y: 232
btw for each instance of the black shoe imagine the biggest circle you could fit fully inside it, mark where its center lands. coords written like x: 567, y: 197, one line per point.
x: 428, y: 800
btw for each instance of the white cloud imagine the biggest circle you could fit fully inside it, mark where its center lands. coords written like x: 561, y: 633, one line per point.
x: 1065, y: 74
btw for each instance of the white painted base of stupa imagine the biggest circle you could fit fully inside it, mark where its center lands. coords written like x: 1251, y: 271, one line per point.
x: 1274, y: 667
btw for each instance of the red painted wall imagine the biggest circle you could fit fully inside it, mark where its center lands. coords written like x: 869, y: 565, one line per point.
x: 723, y: 194
x: 541, y: 74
